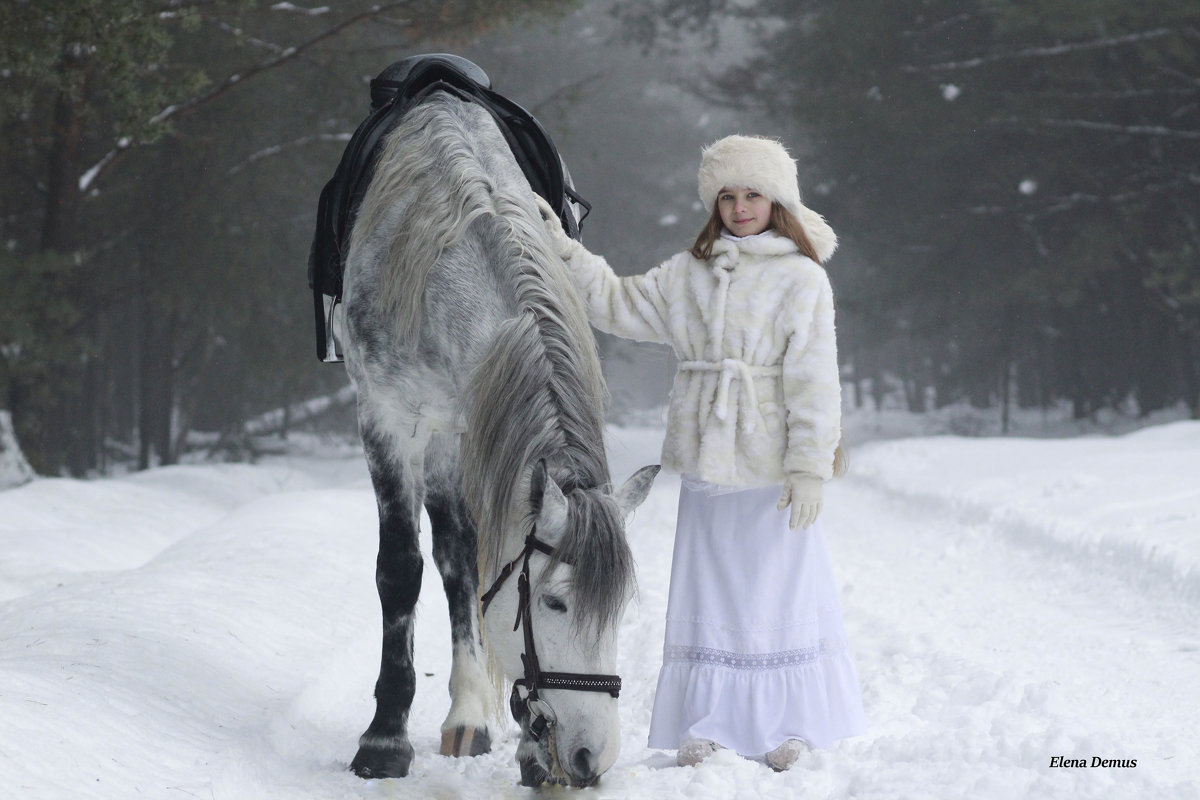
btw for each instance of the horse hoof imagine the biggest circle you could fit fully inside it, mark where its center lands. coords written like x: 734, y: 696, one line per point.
x: 377, y: 762
x: 464, y: 741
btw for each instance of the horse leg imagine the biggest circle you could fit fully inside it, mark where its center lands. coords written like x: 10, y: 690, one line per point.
x: 384, y: 750
x: 465, y: 731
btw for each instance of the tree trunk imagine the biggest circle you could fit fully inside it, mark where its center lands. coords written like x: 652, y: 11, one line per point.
x: 1191, y: 372
x: 61, y: 223
x: 878, y: 389
x: 165, y: 393
x: 84, y: 446
x: 70, y: 440
x: 145, y: 379
x: 1006, y: 392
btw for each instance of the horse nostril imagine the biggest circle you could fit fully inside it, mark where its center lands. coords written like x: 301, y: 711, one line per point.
x: 583, y: 764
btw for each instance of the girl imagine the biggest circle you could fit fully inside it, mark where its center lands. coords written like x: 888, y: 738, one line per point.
x: 755, y: 657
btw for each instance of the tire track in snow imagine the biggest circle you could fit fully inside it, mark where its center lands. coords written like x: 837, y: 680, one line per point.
x: 1149, y: 571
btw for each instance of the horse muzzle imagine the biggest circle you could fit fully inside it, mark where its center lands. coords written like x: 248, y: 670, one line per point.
x: 576, y: 763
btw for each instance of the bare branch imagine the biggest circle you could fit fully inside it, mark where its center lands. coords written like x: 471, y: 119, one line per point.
x: 1176, y: 73
x: 1103, y: 94
x: 238, y: 33
x: 1065, y: 203
x: 564, y: 91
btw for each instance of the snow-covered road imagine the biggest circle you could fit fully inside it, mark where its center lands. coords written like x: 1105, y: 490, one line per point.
x: 212, y: 631
x: 984, y: 653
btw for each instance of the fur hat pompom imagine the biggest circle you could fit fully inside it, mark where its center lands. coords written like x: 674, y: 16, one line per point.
x: 764, y: 165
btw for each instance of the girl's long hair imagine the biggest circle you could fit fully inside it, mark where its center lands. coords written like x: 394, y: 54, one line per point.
x: 782, y: 221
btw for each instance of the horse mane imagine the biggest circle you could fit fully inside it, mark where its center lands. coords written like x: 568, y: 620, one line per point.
x: 426, y: 161
x: 538, y: 393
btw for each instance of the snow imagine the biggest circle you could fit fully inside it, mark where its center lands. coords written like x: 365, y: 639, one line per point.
x: 14, y: 469
x: 211, y: 631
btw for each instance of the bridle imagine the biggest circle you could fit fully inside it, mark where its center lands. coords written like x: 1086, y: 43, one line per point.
x: 541, y: 715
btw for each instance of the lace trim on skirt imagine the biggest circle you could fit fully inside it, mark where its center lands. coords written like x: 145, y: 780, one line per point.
x: 751, y: 661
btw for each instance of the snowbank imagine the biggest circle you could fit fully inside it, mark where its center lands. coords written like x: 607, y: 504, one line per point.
x: 14, y: 469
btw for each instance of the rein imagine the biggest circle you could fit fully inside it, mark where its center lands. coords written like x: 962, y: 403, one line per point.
x: 535, y: 679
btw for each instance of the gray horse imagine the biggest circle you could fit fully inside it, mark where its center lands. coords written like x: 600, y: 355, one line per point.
x: 480, y: 397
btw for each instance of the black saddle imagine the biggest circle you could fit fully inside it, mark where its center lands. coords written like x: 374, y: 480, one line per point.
x: 397, y: 89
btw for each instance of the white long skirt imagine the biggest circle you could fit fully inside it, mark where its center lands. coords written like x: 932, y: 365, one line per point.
x: 755, y: 650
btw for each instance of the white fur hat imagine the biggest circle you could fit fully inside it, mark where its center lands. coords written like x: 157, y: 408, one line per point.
x: 764, y: 165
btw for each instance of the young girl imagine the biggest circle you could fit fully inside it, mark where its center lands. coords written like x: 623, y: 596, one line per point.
x: 755, y: 657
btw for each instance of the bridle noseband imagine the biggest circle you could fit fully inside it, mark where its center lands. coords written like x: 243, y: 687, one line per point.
x: 535, y: 679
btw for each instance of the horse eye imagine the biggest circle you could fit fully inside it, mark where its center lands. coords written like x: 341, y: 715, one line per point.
x: 553, y: 603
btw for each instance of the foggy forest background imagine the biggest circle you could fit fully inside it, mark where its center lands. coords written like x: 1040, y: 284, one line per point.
x: 1015, y: 186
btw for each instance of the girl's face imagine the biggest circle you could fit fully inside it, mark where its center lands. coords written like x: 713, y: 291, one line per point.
x: 744, y: 212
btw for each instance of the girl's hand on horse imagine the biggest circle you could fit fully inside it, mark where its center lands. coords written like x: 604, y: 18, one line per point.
x: 803, y: 494
x: 563, y: 244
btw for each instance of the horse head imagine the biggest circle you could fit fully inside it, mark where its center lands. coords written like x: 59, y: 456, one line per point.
x: 553, y: 626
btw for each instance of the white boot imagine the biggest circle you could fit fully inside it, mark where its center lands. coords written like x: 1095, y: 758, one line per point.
x: 785, y: 755
x: 694, y: 751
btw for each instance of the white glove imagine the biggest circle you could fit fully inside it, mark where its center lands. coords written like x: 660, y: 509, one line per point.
x: 563, y: 244
x: 803, y: 494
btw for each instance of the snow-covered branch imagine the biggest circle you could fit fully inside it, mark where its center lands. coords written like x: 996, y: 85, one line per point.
x: 285, y: 55
x: 241, y: 35
x: 273, y: 150
x: 262, y: 434
x: 298, y: 413
x: 175, y: 9
x: 89, y: 177
x: 1130, y: 130
x: 1065, y: 203
x: 295, y: 9
x: 1044, y: 52
x: 939, y: 26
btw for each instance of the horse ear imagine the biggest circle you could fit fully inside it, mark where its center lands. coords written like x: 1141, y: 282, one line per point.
x: 634, y: 491
x: 548, y: 503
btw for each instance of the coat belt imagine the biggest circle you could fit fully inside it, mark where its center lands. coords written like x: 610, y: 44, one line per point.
x: 729, y: 369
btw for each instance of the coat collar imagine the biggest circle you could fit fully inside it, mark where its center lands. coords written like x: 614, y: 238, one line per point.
x: 727, y: 250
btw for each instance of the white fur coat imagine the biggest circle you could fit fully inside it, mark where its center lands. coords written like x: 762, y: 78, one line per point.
x: 757, y: 394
